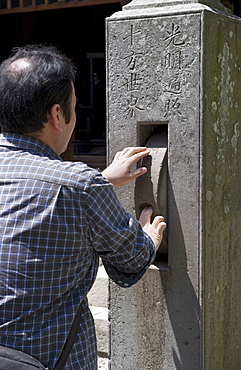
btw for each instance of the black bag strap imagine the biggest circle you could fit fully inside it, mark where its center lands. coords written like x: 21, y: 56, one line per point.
x: 69, y: 341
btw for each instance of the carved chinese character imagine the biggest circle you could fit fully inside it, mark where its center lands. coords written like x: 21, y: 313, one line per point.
x: 173, y: 86
x: 172, y: 107
x: 132, y: 106
x: 174, y: 36
x: 172, y: 60
x: 132, y: 83
x: 131, y: 35
x: 133, y: 56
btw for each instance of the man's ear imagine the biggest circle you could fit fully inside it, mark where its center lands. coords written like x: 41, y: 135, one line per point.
x: 55, y: 117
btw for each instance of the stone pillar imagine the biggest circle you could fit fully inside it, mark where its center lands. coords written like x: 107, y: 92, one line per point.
x: 175, y: 65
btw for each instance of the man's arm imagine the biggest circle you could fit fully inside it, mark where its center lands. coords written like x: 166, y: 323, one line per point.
x: 119, y: 173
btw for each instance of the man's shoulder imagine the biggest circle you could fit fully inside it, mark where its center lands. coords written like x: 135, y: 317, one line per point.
x: 70, y: 173
x: 25, y: 157
x: 37, y: 168
x: 74, y: 174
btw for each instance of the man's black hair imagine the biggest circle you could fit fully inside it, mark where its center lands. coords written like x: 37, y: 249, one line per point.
x: 29, y: 89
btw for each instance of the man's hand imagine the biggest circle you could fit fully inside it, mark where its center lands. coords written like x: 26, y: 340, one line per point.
x: 119, y: 171
x: 154, y: 229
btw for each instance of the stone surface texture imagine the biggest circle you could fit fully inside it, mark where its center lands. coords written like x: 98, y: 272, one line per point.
x: 221, y: 196
x: 178, y: 67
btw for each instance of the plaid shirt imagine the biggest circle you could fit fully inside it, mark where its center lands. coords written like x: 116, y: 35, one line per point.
x: 56, y: 219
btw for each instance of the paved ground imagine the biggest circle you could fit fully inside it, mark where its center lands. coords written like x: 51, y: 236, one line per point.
x: 98, y: 301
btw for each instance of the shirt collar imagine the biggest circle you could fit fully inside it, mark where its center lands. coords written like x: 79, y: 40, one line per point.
x: 27, y: 143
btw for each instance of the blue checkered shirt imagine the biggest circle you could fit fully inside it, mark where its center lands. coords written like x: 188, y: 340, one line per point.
x: 56, y: 219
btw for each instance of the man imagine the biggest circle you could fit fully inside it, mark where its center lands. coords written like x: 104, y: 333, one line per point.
x: 57, y: 218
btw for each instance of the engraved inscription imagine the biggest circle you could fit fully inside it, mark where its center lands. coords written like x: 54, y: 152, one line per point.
x: 172, y: 106
x: 156, y: 68
x: 174, y: 86
x: 133, y: 82
x: 132, y: 59
x: 131, y: 35
x: 174, y: 36
x: 172, y: 60
x: 132, y: 106
x: 174, y: 42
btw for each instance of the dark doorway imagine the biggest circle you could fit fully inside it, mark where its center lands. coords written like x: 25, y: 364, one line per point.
x: 80, y: 33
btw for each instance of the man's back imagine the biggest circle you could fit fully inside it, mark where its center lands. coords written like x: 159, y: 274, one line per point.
x: 47, y: 264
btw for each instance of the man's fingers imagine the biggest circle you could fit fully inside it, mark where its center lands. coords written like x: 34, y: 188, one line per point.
x: 157, y: 220
x: 138, y: 172
x: 117, y: 155
x: 120, y: 172
x: 130, y: 151
x: 138, y: 156
x: 161, y: 227
x: 145, y: 217
x: 159, y: 224
x: 134, y: 154
x: 154, y: 229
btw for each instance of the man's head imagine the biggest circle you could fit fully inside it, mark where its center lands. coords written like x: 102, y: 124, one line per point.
x: 32, y: 80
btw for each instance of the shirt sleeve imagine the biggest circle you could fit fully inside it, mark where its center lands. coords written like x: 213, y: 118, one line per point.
x: 126, y: 250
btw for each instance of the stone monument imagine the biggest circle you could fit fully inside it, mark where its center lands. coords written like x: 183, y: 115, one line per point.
x: 174, y: 67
